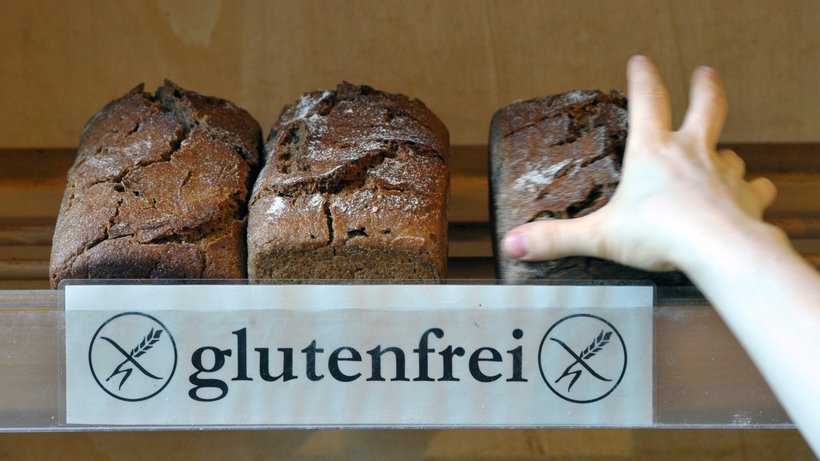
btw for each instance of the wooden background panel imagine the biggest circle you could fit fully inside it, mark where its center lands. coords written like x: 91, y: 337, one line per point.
x: 407, y: 445
x: 62, y: 61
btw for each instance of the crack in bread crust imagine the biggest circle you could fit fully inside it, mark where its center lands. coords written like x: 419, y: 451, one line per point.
x: 352, y: 174
x: 525, y: 114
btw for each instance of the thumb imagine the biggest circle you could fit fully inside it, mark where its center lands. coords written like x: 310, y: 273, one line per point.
x: 552, y: 239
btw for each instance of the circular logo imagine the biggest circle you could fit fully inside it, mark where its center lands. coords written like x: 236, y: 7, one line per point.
x: 132, y: 356
x: 582, y: 358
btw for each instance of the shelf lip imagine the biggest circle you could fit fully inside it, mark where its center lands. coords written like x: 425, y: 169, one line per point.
x: 53, y: 300
x: 31, y: 300
x: 368, y: 427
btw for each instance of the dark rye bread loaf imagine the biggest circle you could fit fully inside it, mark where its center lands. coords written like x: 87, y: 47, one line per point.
x: 355, y: 187
x: 158, y: 190
x: 557, y: 157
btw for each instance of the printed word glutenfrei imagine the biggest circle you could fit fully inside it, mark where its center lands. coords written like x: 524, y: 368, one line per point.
x: 427, y: 362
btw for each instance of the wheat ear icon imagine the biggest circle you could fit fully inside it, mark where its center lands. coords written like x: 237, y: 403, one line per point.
x: 597, y: 345
x: 139, y: 350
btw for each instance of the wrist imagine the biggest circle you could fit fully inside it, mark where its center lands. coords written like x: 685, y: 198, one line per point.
x: 725, y: 241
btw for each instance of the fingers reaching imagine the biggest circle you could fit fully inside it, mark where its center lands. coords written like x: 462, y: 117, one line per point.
x: 707, y: 107
x: 540, y: 240
x: 765, y: 190
x: 732, y: 163
x: 734, y: 167
x: 649, y: 112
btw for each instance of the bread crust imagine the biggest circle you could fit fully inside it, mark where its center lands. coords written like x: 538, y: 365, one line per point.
x: 355, y: 186
x: 158, y: 190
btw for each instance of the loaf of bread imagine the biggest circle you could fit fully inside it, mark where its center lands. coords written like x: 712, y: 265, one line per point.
x: 556, y: 157
x: 158, y: 190
x: 355, y: 186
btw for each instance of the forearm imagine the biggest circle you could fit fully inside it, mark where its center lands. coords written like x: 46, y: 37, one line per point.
x: 770, y: 299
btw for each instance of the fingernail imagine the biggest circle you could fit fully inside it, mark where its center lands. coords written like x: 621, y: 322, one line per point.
x: 514, y: 246
x: 707, y: 70
x: 640, y: 59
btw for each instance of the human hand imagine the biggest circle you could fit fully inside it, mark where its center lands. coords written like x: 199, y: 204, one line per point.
x: 675, y: 188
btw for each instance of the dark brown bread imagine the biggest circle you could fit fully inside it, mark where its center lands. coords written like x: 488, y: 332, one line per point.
x: 557, y: 157
x: 355, y: 187
x: 159, y: 190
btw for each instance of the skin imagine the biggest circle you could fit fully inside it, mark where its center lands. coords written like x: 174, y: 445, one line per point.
x: 682, y: 204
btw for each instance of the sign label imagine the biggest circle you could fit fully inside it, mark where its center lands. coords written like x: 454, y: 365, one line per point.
x: 342, y: 355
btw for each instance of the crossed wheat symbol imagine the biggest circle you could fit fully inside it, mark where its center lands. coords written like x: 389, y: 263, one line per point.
x: 139, y: 350
x: 596, y: 346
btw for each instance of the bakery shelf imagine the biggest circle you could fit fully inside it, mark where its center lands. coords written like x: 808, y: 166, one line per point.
x: 702, y: 377
x: 32, y: 183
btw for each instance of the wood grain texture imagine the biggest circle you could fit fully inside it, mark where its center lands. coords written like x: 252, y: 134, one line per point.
x: 464, y: 58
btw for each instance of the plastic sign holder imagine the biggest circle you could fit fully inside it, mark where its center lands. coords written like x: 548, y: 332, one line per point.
x: 103, y: 355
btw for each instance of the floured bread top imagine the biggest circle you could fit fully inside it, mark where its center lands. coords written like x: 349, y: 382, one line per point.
x: 329, y: 138
x: 353, y: 178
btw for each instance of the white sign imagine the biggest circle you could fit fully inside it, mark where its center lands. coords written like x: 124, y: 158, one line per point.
x: 358, y: 355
